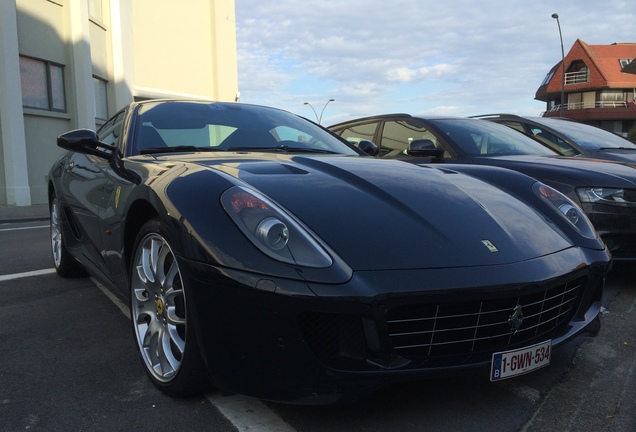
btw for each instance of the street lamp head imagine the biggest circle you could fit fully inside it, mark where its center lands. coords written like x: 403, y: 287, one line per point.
x: 332, y: 100
x: 555, y: 15
x: 306, y: 103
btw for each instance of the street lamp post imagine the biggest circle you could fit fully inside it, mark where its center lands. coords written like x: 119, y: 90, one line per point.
x: 556, y: 17
x: 319, y: 118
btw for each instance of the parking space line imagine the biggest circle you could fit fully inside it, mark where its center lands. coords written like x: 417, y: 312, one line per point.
x: 24, y: 228
x: 26, y: 274
x: 120, y: 304
x: 248, y: 414
x: 245, y: 414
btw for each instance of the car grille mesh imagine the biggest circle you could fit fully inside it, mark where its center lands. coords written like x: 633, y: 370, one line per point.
x: 464, y: 327
x: 334, y: 337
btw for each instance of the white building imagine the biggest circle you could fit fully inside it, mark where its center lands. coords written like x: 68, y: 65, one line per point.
x: 68, y: 64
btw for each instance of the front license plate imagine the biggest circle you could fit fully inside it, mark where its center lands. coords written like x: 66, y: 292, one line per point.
x: 508, y: 364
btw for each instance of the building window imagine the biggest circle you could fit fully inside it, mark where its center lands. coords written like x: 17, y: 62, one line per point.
x: 577, y: 73
x: 547, y: 78
x: 101, y: 100
x: 42, y: 84
x: 612, y: 95
x: 624, y: 62
x: 95, y: 10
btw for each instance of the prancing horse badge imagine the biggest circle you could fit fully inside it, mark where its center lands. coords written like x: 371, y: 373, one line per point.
x: 491, y: 247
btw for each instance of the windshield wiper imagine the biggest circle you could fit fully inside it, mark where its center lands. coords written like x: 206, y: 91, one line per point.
x: 284, y: 149
x: 177, y: 149
x: 617, y: 148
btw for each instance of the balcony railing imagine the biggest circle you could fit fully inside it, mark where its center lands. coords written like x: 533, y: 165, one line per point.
x: 577, y: 77
x: 588, y: 105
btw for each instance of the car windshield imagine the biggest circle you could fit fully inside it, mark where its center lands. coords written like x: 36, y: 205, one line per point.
x: 588, y: 137
x: 483, y: 138
x: 217, y: 126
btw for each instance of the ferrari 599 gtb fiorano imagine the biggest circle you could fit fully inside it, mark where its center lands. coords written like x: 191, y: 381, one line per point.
x: 262, y: 254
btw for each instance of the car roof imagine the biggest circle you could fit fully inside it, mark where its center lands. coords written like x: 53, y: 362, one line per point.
x: 396, y: 116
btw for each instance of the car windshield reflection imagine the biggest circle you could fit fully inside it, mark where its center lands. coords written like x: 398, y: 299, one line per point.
x: 176, y: 127
x: 480, y: 138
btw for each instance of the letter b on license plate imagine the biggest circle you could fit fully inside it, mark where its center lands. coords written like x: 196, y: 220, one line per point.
x: 508, y: 364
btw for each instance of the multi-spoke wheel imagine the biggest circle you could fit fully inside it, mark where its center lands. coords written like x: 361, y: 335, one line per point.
x: 159, y: 313
x: 65, y: 265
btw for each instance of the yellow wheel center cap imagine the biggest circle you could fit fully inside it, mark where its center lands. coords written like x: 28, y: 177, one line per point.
x: 160, y: 306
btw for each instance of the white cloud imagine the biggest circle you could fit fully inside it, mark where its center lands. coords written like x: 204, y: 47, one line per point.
x: 459, y: 56
x: 405, y: 74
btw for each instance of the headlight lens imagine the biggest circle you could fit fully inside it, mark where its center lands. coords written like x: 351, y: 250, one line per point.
x: 272, y: 230
x: 611, y: 196
x: 566, y: 208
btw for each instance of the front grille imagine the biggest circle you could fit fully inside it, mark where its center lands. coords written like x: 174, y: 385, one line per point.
x: 465, y: 327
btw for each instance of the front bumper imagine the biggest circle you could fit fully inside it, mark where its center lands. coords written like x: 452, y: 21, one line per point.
x: 307, y: 343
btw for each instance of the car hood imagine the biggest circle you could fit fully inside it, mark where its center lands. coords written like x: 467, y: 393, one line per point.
x: 387, y: 214
x: 576, y: 171
x: 615, y: 154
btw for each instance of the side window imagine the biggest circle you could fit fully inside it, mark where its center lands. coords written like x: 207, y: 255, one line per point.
x: 552, y: 141
x: 355, y: 134
x: 515, y: 125
x: 397, y: 135
x: 111, y: 131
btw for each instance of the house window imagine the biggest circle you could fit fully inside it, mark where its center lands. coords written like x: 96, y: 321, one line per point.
x: 547, y: 78
x: 101, y: 100
x: 612, y: 95
x: 95, y: 10
x: 577, y: 73
x: 624, y: 62
x: 42, y: 84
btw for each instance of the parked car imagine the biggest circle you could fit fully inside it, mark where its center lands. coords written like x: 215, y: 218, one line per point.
x: 606, y: 191
x: 265, y: 255
x: 570, y: 138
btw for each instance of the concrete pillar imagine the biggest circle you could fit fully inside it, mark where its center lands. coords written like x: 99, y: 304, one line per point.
x: 14, y: 157
x: 224, y: 61
x: 82, y: 65
x: 123, y: 53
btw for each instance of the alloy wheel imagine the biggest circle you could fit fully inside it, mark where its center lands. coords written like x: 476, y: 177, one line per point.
x: 158, y: 308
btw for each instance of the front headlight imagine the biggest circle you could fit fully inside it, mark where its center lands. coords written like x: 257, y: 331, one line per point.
x: 610, y: 196
x: 272, y: 230
x: 566, y: 208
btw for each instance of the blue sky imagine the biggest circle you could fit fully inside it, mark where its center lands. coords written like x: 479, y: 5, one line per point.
x: 456, y: 57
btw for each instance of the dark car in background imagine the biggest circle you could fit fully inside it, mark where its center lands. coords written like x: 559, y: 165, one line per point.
x: 570, y: 138
x: 263, y: 254
x: 605, y: 190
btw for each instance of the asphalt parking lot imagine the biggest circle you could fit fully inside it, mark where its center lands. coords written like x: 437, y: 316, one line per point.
x: 68, y: 363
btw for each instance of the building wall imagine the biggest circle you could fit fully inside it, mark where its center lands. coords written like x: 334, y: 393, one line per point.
x: 202, y: 60
x: 141, y: 49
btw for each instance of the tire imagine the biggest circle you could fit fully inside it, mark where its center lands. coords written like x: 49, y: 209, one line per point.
x: 162, y: 323
x: 65, y: 265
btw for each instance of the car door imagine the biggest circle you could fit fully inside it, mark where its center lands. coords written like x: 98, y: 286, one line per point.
x: 87, y: 179
x: 83, y: 177
x: 118, y: 181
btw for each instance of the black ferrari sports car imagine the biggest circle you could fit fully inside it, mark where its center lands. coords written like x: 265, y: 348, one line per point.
x: 605, y: 190
x: 262, y: 254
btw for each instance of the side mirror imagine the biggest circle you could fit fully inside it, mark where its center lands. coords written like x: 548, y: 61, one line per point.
x: 85, y: 141
x: 424, y: 148
x: 369, y: 147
